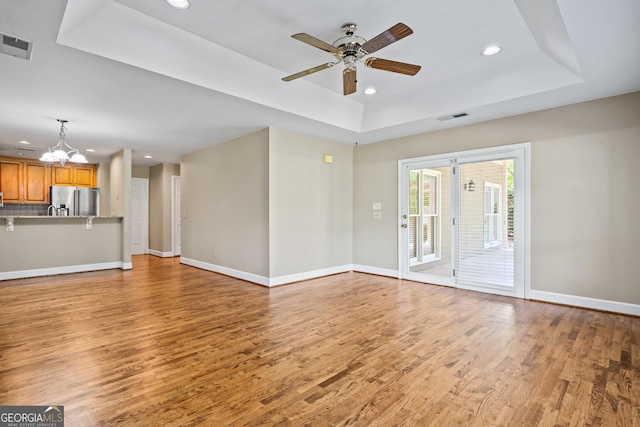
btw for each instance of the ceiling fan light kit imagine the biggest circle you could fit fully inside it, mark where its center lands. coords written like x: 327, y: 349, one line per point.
x: 351, y: 49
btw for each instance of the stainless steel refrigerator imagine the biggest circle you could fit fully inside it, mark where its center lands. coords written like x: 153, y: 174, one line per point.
x: 75, y: 201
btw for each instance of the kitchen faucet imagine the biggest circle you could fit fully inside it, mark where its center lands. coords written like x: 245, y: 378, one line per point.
x: 49, y: 210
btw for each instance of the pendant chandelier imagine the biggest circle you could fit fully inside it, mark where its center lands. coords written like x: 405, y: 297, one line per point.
x: 63, y: 152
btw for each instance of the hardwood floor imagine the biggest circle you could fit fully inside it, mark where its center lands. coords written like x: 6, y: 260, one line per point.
x: 170, y: 345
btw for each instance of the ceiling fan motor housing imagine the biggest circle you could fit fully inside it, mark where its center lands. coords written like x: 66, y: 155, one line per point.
x: 350, y: 49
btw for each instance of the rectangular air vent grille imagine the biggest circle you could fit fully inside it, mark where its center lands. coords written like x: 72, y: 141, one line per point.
x: 453, y: 116
x: 31, y: 150
x: 15, y: 46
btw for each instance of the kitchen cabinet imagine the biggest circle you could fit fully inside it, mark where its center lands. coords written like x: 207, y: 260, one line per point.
x: 11, y: 180
x: 76, y: 175
x: 36, y: 182
x: 24, y: 181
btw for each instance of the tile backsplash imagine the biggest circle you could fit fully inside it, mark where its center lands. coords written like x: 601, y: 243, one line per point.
x: 14, y: 209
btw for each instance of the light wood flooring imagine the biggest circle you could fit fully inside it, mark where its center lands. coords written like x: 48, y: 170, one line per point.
x: 171, y: 345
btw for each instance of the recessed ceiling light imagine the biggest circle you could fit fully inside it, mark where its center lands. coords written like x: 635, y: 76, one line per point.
x: 491, y: 50
x: 24, y: 142
x: 179, y: 4
x: 91, y: 150
x: 148, y: 157
x: 369, y: 91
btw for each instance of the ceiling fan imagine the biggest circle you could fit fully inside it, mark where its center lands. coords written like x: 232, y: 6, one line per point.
x: 351, y: 48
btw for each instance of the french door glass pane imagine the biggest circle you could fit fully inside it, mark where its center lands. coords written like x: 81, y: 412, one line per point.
x: 413, y: 237
x: 414, y: 192
x: 485, y: 256
x: 434, y: 255
x: 428, y: 236
x: 429, y: 195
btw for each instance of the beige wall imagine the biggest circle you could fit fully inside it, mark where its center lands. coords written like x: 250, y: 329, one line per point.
x: 225, y: 202
x: 140, y: 171
x: 103, y: 182
x: 268, y: 205
x: 160, y: 206
x: 310, y: 203
x: 68, y: 243
x: 156, y: 208
x: 584, y: 197
x: 120, y: 196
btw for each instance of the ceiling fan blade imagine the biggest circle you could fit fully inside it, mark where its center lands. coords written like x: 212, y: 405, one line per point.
x: 309, y: 71
x: 393, y: 66
x: 349, y: 81
x: 306, y: 38
x: 392, y: 35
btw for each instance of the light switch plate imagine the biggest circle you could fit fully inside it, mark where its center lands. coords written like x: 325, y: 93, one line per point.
x: 377, y: 206
x: 377, y: 215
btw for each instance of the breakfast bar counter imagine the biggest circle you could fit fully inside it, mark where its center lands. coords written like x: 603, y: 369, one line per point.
x: 43, y: 245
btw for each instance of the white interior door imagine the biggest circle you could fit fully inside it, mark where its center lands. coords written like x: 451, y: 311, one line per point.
x: 139, y: 216
x: 176, y: 215
x: 463, y: 220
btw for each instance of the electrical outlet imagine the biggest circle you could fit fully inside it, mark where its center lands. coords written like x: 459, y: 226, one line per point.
x: 89, y: 223
x: 9, y: 223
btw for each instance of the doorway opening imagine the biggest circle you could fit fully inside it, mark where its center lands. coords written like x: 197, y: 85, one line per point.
x: 463, y: 220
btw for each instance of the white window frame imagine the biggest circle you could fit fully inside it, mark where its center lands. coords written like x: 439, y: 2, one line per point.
x: 489, y: 230
x: 420, y: 220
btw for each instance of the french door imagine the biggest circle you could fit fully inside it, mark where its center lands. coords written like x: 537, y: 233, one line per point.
x: 463, y: 221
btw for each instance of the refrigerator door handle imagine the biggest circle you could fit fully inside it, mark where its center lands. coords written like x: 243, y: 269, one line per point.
x: 76, y: 202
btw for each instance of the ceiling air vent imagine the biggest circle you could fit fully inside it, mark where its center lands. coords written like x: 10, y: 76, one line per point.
x: 453, y: 116
x: 15, y: 46
x: 30, y: 150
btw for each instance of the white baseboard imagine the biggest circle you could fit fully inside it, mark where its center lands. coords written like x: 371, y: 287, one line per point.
x: 266, y: 281
x: 23, y: 274
x: 307, y: 275
x: 585, y: 302
x: 376, y: 270
x: 249, y: 277
x: 160, y: 254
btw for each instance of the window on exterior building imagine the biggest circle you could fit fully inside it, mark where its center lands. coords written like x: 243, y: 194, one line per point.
x: 424, y: 216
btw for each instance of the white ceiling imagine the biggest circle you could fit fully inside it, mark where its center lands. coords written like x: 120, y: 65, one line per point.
x: 139, y: 74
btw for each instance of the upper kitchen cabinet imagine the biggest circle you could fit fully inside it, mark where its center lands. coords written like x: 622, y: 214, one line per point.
x: 10, y: 180
x: 24, y: 181
x: 77, y: 175
x: 36, y: 182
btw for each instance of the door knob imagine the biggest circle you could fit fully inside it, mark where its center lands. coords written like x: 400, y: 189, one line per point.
x: 404, y: 225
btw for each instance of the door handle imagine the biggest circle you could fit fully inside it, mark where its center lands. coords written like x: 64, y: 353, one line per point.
x: 404, y: 225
